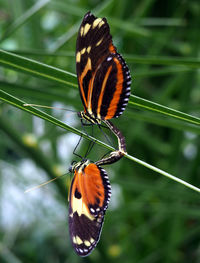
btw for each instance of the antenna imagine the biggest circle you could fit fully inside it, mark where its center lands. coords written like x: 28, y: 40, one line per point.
x: 40, y: 185
x: 48, y: 107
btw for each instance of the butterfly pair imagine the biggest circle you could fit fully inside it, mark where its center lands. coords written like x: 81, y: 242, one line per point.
x: 104, y: 84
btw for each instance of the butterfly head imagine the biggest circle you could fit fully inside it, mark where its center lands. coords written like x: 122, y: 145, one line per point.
x: 88, y: 117
x: 75, y: 166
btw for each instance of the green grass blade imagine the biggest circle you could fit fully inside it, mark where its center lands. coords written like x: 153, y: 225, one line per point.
x: 129, y: 27
x: 19, y: 104
x: 142, y: 103
x: 164, y: 122
x: 161, y: 72
x: 4, y: 96
x: 158, y: 60
x: 155, y: 169
x: 36, y: 69
x: 24, y: 18
x: 73, y: 30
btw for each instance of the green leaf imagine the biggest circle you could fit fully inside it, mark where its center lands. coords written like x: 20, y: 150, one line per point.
x: 73, y: 29
x: 24, y: 18
x: 41, y: 70
x: 36, y: 69
x: 20, y: 104
x: 152, y: 106
x: 157, y: 60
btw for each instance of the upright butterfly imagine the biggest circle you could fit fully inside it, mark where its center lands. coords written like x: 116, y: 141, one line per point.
x: 89, y: 196
x: 103, y: 76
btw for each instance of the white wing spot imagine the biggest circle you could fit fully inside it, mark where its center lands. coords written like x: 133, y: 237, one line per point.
x: 92, y: 210
x: 109, y: 58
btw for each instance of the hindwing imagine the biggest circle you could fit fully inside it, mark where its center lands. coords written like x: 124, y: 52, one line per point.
x: 88, y: 200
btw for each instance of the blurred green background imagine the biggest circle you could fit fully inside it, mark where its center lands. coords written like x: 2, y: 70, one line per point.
x: 150, y: 218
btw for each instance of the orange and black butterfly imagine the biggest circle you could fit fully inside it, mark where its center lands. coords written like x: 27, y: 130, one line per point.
x: 103, y: 76
x: 89, y: 196
x: 104, y: 84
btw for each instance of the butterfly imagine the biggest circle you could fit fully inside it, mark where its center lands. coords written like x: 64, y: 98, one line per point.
x: 103, y: 77
x: 104, y: 84
x: 89, y: 196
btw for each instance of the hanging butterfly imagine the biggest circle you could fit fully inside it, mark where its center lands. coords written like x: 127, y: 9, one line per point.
x: 103, y: 76
x: 89, y: 196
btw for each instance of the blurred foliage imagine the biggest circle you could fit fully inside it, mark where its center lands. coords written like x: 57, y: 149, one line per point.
x: 150, y: 219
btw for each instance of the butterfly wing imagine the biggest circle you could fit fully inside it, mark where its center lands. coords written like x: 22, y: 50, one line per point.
x: 103, y: 76
x: 89, y: 197
x: 113, y: 78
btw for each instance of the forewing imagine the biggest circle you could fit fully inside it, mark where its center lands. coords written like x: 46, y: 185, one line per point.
x: 94, y: 43
x: 89, y: 196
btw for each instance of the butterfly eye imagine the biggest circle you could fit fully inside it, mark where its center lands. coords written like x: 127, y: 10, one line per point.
x: 72, y: 166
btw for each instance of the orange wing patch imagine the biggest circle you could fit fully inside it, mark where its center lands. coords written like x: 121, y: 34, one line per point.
x: 118, y: 92
x: 112, y: 48
x: 94, y: 193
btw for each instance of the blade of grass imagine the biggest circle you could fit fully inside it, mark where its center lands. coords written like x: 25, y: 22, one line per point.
x: 142, y: 103
x: 4, y: 96
x: 161, y: 72
x: 129, y: 27
x: 32, y: 67
x: 49, y: 95
x: 155, y: 169
x: 73, y: 30
x: 42, y: 53
x: 38, y: 69
x: 160, y: 21
x: 24, y: 18
x: 19, y: 104
x: 173, y: 124
x: 157, y: 60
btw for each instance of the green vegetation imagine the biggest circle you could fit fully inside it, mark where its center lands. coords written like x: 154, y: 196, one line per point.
x: 151, y: 219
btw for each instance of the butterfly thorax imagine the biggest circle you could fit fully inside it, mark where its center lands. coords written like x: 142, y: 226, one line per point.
x: 89, y: 117
x: 79, y: 166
